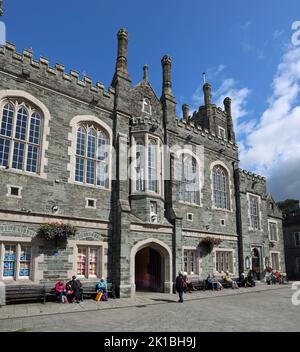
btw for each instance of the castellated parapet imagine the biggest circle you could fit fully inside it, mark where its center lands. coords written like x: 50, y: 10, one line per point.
x: 55, y: 78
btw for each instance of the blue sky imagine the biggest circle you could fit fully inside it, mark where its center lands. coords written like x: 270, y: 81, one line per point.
x: 244, y: 47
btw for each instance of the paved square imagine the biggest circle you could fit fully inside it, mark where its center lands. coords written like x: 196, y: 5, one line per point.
x: 263, y: 309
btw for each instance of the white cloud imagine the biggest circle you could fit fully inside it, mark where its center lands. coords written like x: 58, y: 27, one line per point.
x: 273, y: 146
x: 238, y: 96
x: 210, y: 74
x: 245, y: 25
x: 269, y: 145
x: 277, y: 33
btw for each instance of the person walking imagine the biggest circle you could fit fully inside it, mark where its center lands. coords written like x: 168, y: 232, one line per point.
x: 180, y: 286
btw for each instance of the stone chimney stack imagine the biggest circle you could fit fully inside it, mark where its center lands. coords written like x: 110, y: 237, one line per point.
x: 227, y: 107
x: 121, y: 66
x: 145, y: 69
x: 121, y: 72
x: 207, y: 94
x: 167, y: 83
x: 186, y: 113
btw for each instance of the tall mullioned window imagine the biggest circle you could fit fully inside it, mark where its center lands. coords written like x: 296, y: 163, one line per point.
x: 220, y: 188
x: 147, y: 166
x: 152, y: 166
x: 140, y: 164
x: 273, y: 231
x: 188, y: 179
x: 20, y: 136
x: 189, y: 261
x: 91, y: 156
x: 224, y: 261
x: 254, y: 212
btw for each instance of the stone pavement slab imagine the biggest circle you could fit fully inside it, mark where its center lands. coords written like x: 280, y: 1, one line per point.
x: 141, y: 299
x: 265, y: 309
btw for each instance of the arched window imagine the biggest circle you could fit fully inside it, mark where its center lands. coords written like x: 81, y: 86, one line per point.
x: 91, y: 156
x: 188, y: 177
x: 220, y: 188
x: 20, y: 136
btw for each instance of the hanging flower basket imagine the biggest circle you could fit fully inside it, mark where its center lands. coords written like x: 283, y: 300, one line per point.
x: 56, y: 231
x: 208, y: 243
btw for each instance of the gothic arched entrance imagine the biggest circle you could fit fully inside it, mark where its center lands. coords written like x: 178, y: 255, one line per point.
x: 148, y: 270
x: 256, y: 263
x: 151, y: 267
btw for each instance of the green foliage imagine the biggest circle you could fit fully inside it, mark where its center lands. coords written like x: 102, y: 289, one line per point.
x: 208, y: 243
x: 56, y: 231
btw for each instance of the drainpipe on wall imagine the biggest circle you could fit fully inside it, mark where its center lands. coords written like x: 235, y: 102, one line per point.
x: 238, y: 217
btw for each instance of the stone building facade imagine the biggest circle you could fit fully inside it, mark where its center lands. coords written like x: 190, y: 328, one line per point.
x: 291, y: 235
x: 144, y: 188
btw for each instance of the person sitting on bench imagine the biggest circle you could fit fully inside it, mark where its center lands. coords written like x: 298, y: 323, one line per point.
x: 188, y: 286
x: 75, y: 286
x: 250, y: 279
x: 102, y: 287
x: 213, y: 281
x: 228, y: 278
x: 60, y: 290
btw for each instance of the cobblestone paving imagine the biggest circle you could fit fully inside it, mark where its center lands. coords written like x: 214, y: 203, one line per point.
x: 260, y: 309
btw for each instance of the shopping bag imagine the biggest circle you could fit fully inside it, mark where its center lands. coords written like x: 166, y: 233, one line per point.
x: 104, y: 297
x: 98, y: 296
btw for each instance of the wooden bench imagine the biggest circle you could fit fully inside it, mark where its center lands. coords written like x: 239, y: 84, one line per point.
x: 88, y: 289
x: 199, y: 284
x: 227, y: 284
x: 24, y: 293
